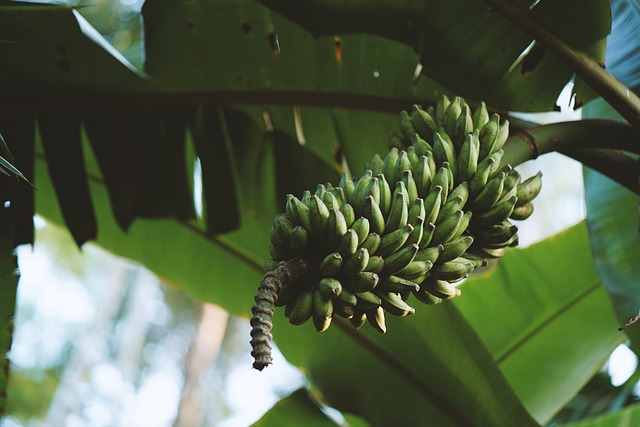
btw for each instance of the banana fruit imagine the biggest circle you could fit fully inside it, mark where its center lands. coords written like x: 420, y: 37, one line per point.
x: 437, y: 206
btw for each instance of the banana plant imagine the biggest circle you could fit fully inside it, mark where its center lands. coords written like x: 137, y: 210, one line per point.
x: 274, y: 99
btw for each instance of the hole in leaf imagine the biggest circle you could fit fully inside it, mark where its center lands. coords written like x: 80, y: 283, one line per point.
x: 532, y: 59
x: 274, y: 43
x: 337, y: 42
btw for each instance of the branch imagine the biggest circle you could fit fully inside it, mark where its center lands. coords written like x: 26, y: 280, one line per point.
x: 595, y: 143
x: 612, y: 90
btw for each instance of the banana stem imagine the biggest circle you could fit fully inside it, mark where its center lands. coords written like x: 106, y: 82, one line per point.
x: 595, y: 143
x: 261, y: 322
x: 612, y: 90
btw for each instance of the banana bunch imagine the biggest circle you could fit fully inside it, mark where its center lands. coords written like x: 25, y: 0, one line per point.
x: 435, y: 208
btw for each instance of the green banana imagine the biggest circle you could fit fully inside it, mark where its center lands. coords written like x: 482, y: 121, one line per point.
x: 422, y: 176
x: 452, y: 271
x: 280, y: 233
x: 393, y: 241
x: 348, y: 213
x: 347, y: 297
x: 331, y: 265
x: 402, y: 164
x: 426, y: 297
x: 392, y: 303
x: 301, y: 307
x: 348, y: 243
x: 441, y: 108
x: 406, y: 125
x: 358, y: 318
x: 454, y: 248
x: 367, y: 300
x: 298, y: 212
x: 432, y: 253
x: 480, y: 179
x: 376, y: 165
x: 496, y: 214
x: 440, y: 288
x: 330, y: 287
x: 418, y: 231
x: 322, y: 311
x: 467, y: 159
x: 373, y: 213
x: 347, y: 185
x: 416, y: 210
x: 432, y: 204
x: 399, y: 214
x: 336, y: 227
x: 529, y: 189
x: 343, y: 310
x: 410, y: 185
x: 422, y: 147
x: 480, y: 116
x: 414, y: 156
x: 390, y: 161
x: 396, y: 284
x: 330, y: 200
x: 362, y: 227
x: 319, y: 215
x: 462, y: 190
x: 510, y: 187
x: 447, y: 228
x: 427, y: 234
x: 385, y: 194
x: 522, y: 212
x: 362, y: 282
x: 463, y: 226
x: 496, y: 234
x: 452, y: 205
x: 490, y: 194
x: 488, y: 135
x: 424, y: 123
x: 451, y: 115
x: 445, y: 151
x: 376, y: 264
x: 464, y: 126
x: 371, y: 243
x: 400, y: 259
x: 375, y: 316
x: 415, y: 269
x: 356, y: 263
x: 360, y: 191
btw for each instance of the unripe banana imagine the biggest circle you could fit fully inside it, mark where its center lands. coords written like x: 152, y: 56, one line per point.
x: 510, y: 187
x: 441, y: 108
x: 371, y: 243
x: 426, y: 297
x: 397, y: 284
x: 432, y: 204
x: 399, y: 214
x: 496, y: 214
x: 320, y: 190
x: 488, y: 135
x: 452, y: 205
x: 298, y: 212
x: 385, y: 194
x: 278, y: 254
x: 451, y: 271
x: 480, y: 116
x: 319, y: 215
x: 445, y: 151
x: 348, y: 213
x: 330, y: 287
x: 393, y: 241
x: 373, y: 213
x: 441, y: 179
x: 395, y: 142
x: 429, y: 254
x: 280, y: 233
x: 490, y: 194
x: 406, y: 125
x: 376, y: 264
x: 468, y: 159
x: 447, y: 228
x: 348, y: 244
x: 529, y: 189
x: 362, y: 282
x: 400, y: 259
x: 415, y: 270
x: 362, y: 227
x: 463, y: 226
x: 343, y: 310
x: 462, y: 190
x: 322, y: 311
x: 301, y: 307
x: 464, y: 126
x: 360, y: 191
x: 347, y: 185
x: 410, y: 185
x: 358, y: 318
x: 390, y: 161
x: 451, y: 115
x: 418, y: 231
x: 454, y: 248
x: 356, y: 263
x: 427, y: 234
x: 413, y: 156
x: 416, y: 210
x: 330, y: 200
x: 440, y: 288
x: 522, y: 212
x: 347, y: 297
x: 331, y: 265
x: 496, y: 234
x: 367, y: 300
x: 423, y: 176
x: 424, y: 123
x: 393, y: 304
x: 376, y: 165
x: 422, y: 147
x: 376, y: 319
x: 402, y: 164
x: 479, y: 180
x: 298, y: 239
x: 336, y: 227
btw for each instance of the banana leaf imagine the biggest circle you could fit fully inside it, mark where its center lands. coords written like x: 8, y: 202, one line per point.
x: 544, y: 305
x: 296, y: 409
x: 629, y: 416
x: 612, y: 211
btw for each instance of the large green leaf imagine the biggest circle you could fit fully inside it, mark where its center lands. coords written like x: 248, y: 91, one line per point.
x: 612, y: 210
x: 453, y: 38
x: 544, y: 305
x: 50, y: 49
x: 299, y: 408
x: 627, y: 417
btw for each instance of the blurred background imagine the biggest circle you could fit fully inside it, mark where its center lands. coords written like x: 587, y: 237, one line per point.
x: 101, y: 341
